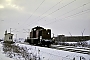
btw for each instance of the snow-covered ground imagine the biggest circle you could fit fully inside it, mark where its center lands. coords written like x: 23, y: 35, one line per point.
x: 42, y: 53
x: 53, y: 54
x: 88, y: 41
x: 19, y: 40
x: 2, y: 56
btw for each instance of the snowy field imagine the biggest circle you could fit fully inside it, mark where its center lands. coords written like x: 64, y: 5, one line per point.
x: 27, y: 52
x: 52, y: 54
x: 2, y: 56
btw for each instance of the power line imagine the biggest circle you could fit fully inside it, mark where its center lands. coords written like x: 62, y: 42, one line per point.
x: 51, y: 8
x: 34, y: 11
x: 76, y: 8
x: 68, y: 16
x: 57, y: 10
x: 73, y: 9
x: 78, y: 13
x: 47, y: 10
x: 36, y: 8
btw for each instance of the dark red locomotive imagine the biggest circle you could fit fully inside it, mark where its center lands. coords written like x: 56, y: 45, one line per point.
x: 40, y: 36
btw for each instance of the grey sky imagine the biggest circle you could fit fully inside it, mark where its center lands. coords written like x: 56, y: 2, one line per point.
x: 62, y: 16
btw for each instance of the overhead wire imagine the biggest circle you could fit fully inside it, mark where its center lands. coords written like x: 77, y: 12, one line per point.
x: 76, y: 8
x: 46, y: 11
x: 55, y: 11
x: 67, y: 12
x: 63, y: 14
x: 67, y: 17
x: 33, y: 12
x: 58, y: 9
x: 72, y: 10
x: 49, y: 9
x: 36, y: 8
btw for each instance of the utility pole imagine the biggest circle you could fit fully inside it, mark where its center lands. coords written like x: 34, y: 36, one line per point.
x: 28, y: 31
x: 71, y: 36
x: 70, y: 33
x: 82, y: 33
x: 16, y: 36
x: 53, y: 35
x: 10, y: 30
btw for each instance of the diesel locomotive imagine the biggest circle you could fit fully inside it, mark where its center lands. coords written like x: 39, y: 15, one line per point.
x: 40, y: 36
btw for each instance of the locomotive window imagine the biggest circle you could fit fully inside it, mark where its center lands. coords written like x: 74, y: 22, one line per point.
x: 34, y: 29
x: 48, y: 33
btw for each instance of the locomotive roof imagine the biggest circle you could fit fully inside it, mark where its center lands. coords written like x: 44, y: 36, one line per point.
x: 38, y: 27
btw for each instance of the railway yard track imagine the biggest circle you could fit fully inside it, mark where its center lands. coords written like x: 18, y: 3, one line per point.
x: 72, y: 49
x: 83, y: 50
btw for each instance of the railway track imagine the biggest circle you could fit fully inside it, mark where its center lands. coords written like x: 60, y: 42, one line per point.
x: 72, y: 49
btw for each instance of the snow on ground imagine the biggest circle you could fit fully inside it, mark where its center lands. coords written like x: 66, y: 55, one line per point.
x: 88, y: 42
x: 2, y: 56
x: 53, y: 54
x: 45, y: 53
x: 19, y: 40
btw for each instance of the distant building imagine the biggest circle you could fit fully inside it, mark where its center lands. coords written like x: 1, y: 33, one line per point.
x: 8, y: 37
x: 40, y: 33
x: 63, y: 38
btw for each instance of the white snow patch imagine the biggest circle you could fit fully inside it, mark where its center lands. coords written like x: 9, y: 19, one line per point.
x: 53, y: 54
x: 88, y: 42
x: 2, y: 56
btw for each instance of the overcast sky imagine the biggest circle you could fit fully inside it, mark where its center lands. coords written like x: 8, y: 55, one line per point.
x: 61, y: 16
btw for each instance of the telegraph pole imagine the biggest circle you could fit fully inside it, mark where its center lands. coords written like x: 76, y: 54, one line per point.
x: 53, y: 35
x: 28, y: 31
x: 82, y: 33
x: 10, y: 30
x: 70, y: 33
x: 16, y: 36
